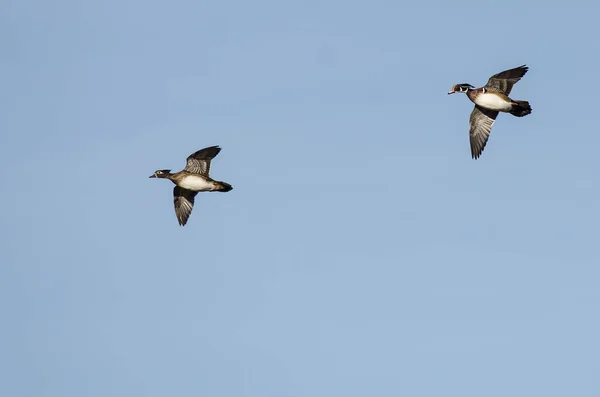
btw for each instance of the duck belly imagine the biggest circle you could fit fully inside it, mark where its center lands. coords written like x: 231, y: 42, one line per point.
x: 196, y: 184
x: 493, y: 102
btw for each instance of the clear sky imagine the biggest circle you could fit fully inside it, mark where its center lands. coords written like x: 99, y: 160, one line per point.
x: 362, y: 251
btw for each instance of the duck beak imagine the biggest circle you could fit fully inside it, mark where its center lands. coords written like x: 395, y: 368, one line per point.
x: 451, y: 92
x: 152, y: 176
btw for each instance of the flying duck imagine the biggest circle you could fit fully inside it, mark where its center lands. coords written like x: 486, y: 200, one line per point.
x: 191, y: 180
x: 489, y: 100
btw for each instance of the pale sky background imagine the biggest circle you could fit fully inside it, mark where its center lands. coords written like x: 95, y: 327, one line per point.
x: 362, y: 251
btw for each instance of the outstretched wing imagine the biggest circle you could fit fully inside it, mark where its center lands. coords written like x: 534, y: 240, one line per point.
x: 503, y: 82
x: 481, y: 122
x: 184, y: 202
x: 199, y: 162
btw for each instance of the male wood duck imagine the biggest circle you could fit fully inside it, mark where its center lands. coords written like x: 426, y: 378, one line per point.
x: 191, y: 180
x: 489, y: 100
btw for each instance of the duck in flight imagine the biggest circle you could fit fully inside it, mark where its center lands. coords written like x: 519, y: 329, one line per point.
x: 489, y: 100
x: 191, y: 180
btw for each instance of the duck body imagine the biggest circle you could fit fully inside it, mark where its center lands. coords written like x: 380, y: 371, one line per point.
x: 195, y: 182
x: 489, y: 101
x: 192, y: 180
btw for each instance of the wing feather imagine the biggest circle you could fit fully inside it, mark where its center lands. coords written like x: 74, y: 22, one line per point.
x: 503, y: 82
x: 480, y: 127
x: 183, y: 200
x: 199, y: 162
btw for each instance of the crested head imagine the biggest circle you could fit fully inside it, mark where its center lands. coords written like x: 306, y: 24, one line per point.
x: 161, y: 174
x: 464, y: 87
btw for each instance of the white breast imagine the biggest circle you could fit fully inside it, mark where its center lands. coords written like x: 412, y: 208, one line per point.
x: 196, y: 183
x: 493, y: 102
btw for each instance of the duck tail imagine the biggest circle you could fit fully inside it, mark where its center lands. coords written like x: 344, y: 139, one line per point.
x: 520, y: 108
x: 224, y: 187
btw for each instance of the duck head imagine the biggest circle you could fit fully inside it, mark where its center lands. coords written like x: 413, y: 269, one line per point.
x: 464, y: 87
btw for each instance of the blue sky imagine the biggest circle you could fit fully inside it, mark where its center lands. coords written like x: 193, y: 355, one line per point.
x: 362, y: 250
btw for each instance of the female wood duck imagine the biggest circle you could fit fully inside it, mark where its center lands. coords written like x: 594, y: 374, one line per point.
x: 489, y: 100
x: 193, y: 179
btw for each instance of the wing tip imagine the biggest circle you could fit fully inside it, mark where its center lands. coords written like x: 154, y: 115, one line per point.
x: 476, y: 151
x: 212, y: 151
x: 475, y: 155
x: 208, y: 153
x: 524, y: 68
